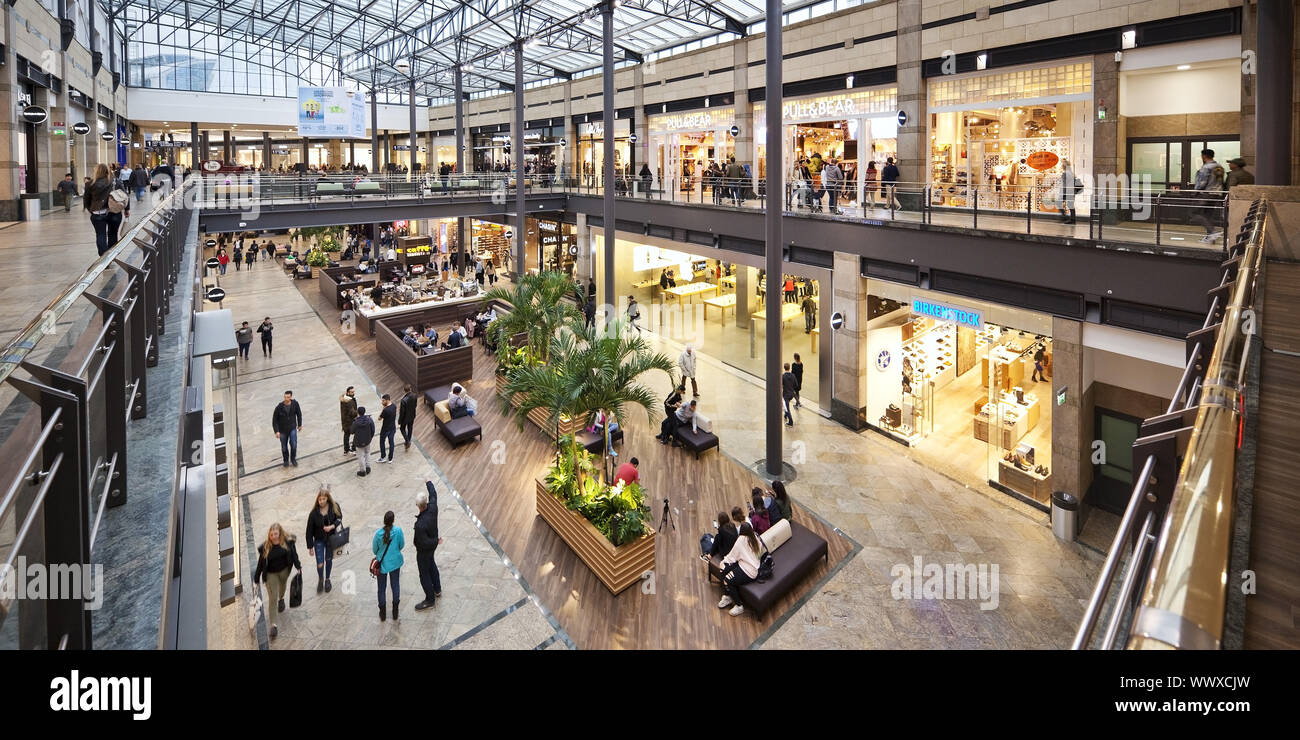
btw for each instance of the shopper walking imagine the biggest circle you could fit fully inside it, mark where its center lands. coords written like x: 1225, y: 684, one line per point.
x: 406, y: 415
x: 286, y: 420
x: 265, y: 330
x: 426, y: 543
x: 244, y: 338
x: 324, y: 520
x: 789, y: 386
x: 68, y: 189
x: 1237, y: 174
x: 686, y: 363
x: 1069, y: 189
x: 796, y: 368
x: 237, y: 257
x: 274, y: 558
x: 347, y: 415
x: 634, y: 314
x: 809, y: 307
x: 105, y: 209
x: 832, y: 180
x: 250, y: 256
x: 387, y: 546
x: 871, y: 182
x: 736, y: 181
x: 223, y: 259
x: 387, y: 428
x: 589, y: 311
x: 889, y: 177
x: 363, y: 431
x: 1209, y: 180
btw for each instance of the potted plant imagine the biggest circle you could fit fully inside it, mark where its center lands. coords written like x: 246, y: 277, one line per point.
x: 316, y: 259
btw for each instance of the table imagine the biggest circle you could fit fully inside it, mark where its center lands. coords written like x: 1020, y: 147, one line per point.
x: 691, y: 289
x: 722, y: 302
x: 789, y: 312
x: 367, y: 316
x: 728, y: 281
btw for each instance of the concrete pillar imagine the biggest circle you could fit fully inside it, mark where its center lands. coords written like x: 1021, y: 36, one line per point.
x: 1072, y: 421
x: 849, y: 297
x: 463, y: 233
x: 1108, y: 149
x: 374, y: 131
x: 607, y: 180
x: 44, y: 183
x: 517, y: 143
x: 570, y: 152
x: 745, y: 154
x: 913, y: 141
x: 1249, y: 86
x: 415, y: 144
x: 8, y: 139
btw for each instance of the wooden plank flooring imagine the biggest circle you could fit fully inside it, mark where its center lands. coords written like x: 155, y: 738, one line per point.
x: 678, y: 610
x: 1272, y: 613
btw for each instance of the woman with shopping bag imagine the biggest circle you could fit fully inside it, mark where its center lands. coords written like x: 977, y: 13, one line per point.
x: 324, y: 524
x: 274, y: 558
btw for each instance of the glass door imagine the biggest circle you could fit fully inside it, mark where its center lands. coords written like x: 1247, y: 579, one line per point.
x: 1112, y: 478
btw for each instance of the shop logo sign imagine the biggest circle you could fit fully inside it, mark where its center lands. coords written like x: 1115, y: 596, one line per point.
x: 689, y: 121
x: 819, y: 108
x: 883, y: 360
x: 948, y: 313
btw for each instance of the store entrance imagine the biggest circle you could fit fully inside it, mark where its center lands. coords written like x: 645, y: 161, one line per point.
x: 818, y: 143
x: 970, y: 394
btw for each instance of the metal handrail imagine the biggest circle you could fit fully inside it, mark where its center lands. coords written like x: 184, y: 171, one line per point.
x: 1186, y: 592
x: 18, y: 348
x: 1184, y: 596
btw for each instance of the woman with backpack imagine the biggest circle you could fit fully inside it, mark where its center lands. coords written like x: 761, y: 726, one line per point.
x: 740, y: 567
x: 274, y: 558
x: 324, y: 520
x: 387, y: 565
x: 106, y: 209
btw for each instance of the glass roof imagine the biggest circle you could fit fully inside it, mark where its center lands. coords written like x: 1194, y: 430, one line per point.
x: 387, y: 43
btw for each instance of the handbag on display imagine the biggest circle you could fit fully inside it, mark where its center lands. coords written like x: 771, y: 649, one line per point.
x: 295, y: 591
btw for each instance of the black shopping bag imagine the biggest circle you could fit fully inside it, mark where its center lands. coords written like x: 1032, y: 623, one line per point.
x: 295, y: 591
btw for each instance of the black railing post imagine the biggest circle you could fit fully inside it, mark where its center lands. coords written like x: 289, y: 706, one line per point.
x: 1158, y: 219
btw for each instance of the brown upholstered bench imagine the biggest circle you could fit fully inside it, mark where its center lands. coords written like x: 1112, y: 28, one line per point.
x: 594, y: 442
x: 434, y: 395
x: 795, y: 551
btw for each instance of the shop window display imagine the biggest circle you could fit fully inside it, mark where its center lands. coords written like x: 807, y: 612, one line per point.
x: 969, y: 393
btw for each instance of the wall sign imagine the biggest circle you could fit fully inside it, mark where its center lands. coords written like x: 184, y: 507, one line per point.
x: 902, y: 118
x: 631, y: 138
x: 823, y: 107
x: 1060, y: 395
x: 735, y: 131
x: 1042, y: 160
x: 80, y: 129
x: 34, y: 114
x: 689, y: 121
x: 106, y: 136
x: 883, y: 360
x: 962, y: 316
x: 212, y: 263
x: 837, y: 320
x: 216, y: 295
x: 210, y: 243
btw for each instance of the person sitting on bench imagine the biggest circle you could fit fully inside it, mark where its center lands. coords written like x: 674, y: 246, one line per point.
x: 686, y: 415
x: 459, y: 402
x: 455, y: 339
x: 669, y: 424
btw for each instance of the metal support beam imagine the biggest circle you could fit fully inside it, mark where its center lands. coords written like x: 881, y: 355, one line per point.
x: 1273, y: 95
x: 517, y: 141
x: 773, y: 242
x: 374, y: 131
x: 607, y: 212
x: 462, y: 230
x: 195, y: 146
x: 226, y: 149
x: 415, y: 145
x: 266, y: 150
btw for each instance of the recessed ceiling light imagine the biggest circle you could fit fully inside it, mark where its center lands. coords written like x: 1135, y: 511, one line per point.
x: 1182, y: 67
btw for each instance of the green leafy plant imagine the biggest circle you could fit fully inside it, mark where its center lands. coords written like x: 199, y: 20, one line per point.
x: 317, y: 258
x: 329, y: 244
x: 619, y: 512
x: 537, y: 310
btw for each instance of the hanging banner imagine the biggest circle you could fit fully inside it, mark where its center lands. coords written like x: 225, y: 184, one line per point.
x: 331, y: 112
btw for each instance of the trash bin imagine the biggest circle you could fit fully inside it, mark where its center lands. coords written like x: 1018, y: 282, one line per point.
x: 1065, y: 516
x: 31, y: 207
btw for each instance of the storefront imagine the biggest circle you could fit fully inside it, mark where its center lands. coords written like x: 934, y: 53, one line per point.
x: 591, y: 149
x: 1008, y: 135
x: 542, y: 151
x: 491, y: 146
x: 551, y: 245
x: 715, y: 303
x: 682, y: 145
x: 489, y: 242
x: 965, y: 382
x: 855, y: 128
x: 443, y: 151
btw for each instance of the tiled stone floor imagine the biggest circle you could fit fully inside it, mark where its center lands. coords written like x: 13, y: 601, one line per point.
x: 483, y: 604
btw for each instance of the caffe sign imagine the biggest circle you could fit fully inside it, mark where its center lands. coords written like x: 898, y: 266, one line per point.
x: 840, y: 107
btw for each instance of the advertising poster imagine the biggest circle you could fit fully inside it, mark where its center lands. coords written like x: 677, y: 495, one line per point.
x: 331, y: 113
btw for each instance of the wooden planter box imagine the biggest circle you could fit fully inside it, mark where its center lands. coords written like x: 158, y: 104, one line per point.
x: 616, y: 567
x: 540, y: 417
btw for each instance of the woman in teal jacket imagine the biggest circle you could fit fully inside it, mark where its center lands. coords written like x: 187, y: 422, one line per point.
x: 387, y: 547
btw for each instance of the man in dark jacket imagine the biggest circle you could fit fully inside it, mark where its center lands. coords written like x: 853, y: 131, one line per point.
x: 426, y: 542
x: 347, y: 415
x: 406, y: 415
x: 139, y: 181
x: 286, y: 420
x: 387, y: 428
x: 363, y: 430
x: 789, y: 386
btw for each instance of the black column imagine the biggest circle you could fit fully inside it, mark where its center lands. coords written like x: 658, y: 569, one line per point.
x: 227, y: 155
x: 517, y: 141
x: 266, y: 149
x: 303, y: 144
x: 1273, y: 96
x: 462, y: 223
x: 415, y: 145
x: 352, y: 153
x: 607, y: 211
x: 374, y: 131
x: 195, y: 145
x: 772, y: 298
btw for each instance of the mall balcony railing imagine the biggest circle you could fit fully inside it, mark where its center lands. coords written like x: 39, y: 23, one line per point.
x: 75, y: 378
x: 1175, y: 537
x: 1175, y: 218
x: 243, y: 189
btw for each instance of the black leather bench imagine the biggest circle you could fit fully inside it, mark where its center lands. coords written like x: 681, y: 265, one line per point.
x: 792, y: 560
x: 696, y: 441
x: 594, y: 442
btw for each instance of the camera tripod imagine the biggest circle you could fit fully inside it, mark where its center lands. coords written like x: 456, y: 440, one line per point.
x: 666, y: 520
